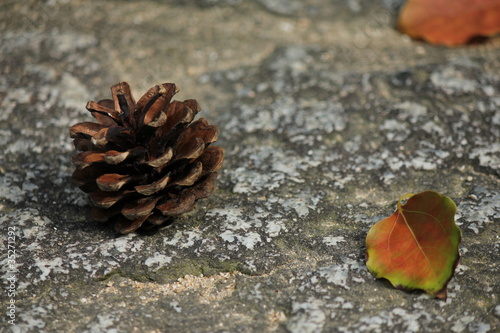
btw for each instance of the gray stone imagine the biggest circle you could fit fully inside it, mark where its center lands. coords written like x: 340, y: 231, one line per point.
x: 326, y: 122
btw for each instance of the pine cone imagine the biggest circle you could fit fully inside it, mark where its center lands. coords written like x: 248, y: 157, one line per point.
x: 146, y: 162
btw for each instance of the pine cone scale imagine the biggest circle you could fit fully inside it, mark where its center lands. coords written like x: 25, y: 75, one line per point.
x: 116, y: 157
x: 103, y: 114
x: 177, y: 115
x: 104, y: 199
x: 87, y: 158
x: 158, y: 106
x: 211, y: 159
x: 204, y: 188
x: 140, y: 208
x: 190, y: 176
x: 112, y: 182
x: 189, y: 149
x: 199, y: 129
x: 151, y: 109
x: 177, y: 206
x: 149, y: 189
x: 123, y: 102
x: 125, y: 226
x: 119, y: 136
x: 162, y: 160
x: 145, y: 102
x: 86, y: 130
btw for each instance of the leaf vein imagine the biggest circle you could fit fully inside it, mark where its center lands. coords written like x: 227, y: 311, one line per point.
x: 427, y: 214
x: 418, y: 245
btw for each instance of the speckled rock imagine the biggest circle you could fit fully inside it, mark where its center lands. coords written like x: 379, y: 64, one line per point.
x: 326, y: 122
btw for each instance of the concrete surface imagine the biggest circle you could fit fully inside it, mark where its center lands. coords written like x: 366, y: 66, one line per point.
x: 327, y: 115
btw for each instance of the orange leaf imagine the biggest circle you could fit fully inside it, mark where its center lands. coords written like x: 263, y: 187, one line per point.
x: 450, y: 22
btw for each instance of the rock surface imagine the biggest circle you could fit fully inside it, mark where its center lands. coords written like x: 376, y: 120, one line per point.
x: 327, y: 116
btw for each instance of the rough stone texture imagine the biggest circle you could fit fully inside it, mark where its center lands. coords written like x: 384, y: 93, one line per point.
x: 327, y: 116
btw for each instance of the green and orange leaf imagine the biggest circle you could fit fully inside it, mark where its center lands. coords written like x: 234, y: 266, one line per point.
x: 417, y: 246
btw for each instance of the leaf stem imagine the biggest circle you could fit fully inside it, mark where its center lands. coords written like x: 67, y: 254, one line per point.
x: 406, y: 196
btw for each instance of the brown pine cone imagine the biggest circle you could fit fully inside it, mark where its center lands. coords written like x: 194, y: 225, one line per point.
x: 146, y: 162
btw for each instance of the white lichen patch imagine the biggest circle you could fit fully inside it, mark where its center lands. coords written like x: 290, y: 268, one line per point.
x: 452, y: 80
x: 32, y: 319
x: 479, y: 210
x: 248, y: 181
x: 28, y: 222
x: 38, y: 231
x: 175, y: 305
x: 307, y: 317
x: 394, y: 130
x: 236, y: 227
x: 31, y: 230
x: 11, y: 189
x: 304, y: 118
x: 103, y: 323
x: 240, y: 228
x: 159, y: 260
x: 339, y: 303
x: 13, y: 97
x: 432, y: 128
x: 345, y: 275
x: 302, y: 203
x: 397, y: 319
x: 335, y: 274
x: 184, y: 239
x: 271, y: 167
x: 249, y: 239
x: 48, y: 266
x: 411, y: 111
x: 123, y: 246
x: 255, y: 293
x: 422, y: 163
x: 488, y: 155
x: 333, y: 240
x: 274, y: 227
x: 390, y: 163
x: 461, y: 323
